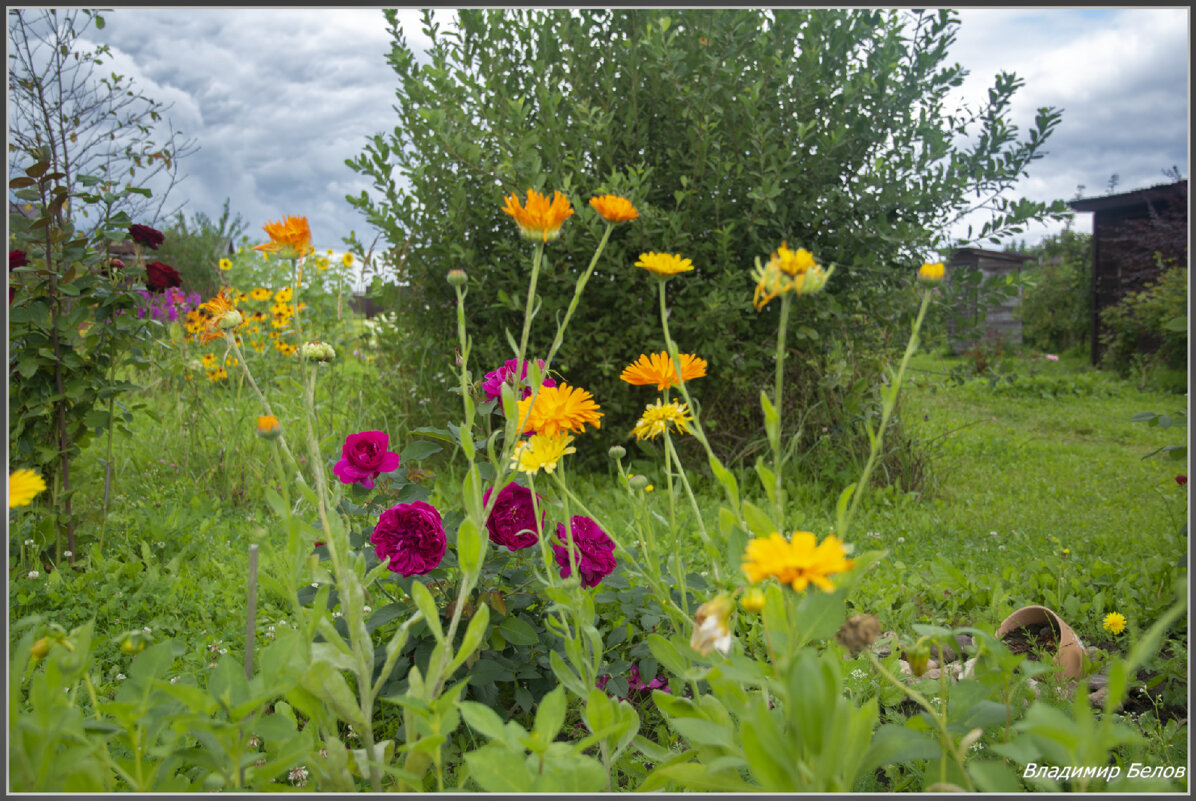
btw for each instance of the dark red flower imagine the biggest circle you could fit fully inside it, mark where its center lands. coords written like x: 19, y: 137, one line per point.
x: 412, y: 536
x: 1181, y: 480
x: 512, y: 521
x: 144, y: 235
x: 364, y: 457
x: 160, y: 277
x: 16, y: 258
x: 594, y: 550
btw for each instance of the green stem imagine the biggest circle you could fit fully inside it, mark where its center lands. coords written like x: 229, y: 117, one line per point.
x: 778, y: 388
x: 889, y: 403
x: 577, y: 290
x: 671, y: 449
x: 531, y: 299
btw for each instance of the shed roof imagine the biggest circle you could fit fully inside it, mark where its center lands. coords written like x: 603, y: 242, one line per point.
x: 1002, y: 255
x: 1134, y: 198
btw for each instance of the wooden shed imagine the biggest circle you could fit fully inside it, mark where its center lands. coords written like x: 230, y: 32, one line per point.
x: 1128, y: 230
x: 964, y: 327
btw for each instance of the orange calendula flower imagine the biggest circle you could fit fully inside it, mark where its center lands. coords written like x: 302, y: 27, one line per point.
x: 659, y: 369
x: 290, y: 238
x: 788, y: 270
x: 798, y: 562
x: 664, y: 264
x: 557, y: 409
x: 614, y: 209
x: 219, y: 316
x: 268, y: 427
x: 541, y: 219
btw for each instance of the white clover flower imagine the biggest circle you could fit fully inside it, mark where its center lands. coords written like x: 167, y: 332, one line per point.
x: 29, y: 543
x: 120, y: 677
x: 173, y: 679
x: 366, y: 609
x: 33, y: 574
x: 67, y: 554
x: 900, y: 540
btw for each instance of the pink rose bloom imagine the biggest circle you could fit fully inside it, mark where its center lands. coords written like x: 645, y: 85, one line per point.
x: 492, y: 386
x: 595, y: 551
x: 363, y: 457
x: 411, y: 536
x: 512, y: 521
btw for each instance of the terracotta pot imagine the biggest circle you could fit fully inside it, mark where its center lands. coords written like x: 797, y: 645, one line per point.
x: 1070, y: 656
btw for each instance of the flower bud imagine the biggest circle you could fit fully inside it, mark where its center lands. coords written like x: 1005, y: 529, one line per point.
x: 457, y: 277
x: 931, y: 274
x: 316, y: 352
x: 713, y: 629
x: 638, y: 482
x: 918, y: 658
x: 752, y: 600
x: 132, y: 644
x: 40, y: 648
x: 230, y: 320
x: 617, y: 452
x: 268, y: 427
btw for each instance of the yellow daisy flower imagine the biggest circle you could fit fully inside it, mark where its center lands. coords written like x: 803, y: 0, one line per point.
x: 656, y: 418
x: 664, y: 264
x: 224, y: 264
x: 799, y: 562
x: 788, y: 270
x: 557, y: 409
x: 540, y: 219
x: 541, y: 452
x: 23, y: 486
x: 931, y: 274
x: 259, y: 293
x: 283, y: 295
x: 347, y: 259
x: 659, y: 369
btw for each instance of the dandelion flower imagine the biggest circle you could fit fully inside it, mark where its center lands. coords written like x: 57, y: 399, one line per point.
x: 931, y: 274
x: 541, y: 451
x: 659, y: 369
x: 541, y: 219
x: 656, y: 418
x: 224, y: 264
x: 290, y: 238
x: 558, y: 409
x: 664, y: 264
x: 23, y: 486
x: 799, y: 562
x: 614, y: 209
x: 787, y: 271
x: 1114, y: 623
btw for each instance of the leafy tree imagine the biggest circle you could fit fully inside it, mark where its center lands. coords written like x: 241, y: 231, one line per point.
x: 87, y: 123
x: 731, y: 131
x: 1057, y: 301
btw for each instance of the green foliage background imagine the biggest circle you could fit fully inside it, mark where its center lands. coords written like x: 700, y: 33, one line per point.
x: 1057, y: 309
x: 731, y: 131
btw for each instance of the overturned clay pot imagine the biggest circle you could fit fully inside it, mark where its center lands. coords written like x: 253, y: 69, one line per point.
x: 1070, y: 653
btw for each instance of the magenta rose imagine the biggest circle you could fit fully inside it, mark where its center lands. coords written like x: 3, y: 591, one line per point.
x: 412, y: 536
x: 144, y: 235
x: 492, y: 385
x: 364, y: 456
x: 512, y: 521
x: 595, y: 551
x: 160, y: 277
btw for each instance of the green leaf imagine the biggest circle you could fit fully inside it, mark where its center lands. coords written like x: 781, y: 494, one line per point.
x: 758, y: 521
x: 550, y: 715
x: 497, y: 769
x: 518, y: 631
x: 427, y: 605
x: 419, y: 449
x: 483, y: 720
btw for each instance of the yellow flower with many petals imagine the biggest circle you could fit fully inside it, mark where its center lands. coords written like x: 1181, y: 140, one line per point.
x: 283, y: 295
x: 798, y: 562
x: 268, y: 427
x: 259, y: 293
x: 322, y: 263
x: 659, y: 369
x: 224, y: 264
x: 220, y: 316
x: 557, y: 409
x: 1114, y: 623
x: 788, y: 271
x: 347, y: 259
x: 23, y: 486
x: 540, y: 219
x: 664, y: 264
x: 656, y: 419
x: 931, y: 274
x: 614, y: 209
x: 541, y: 452
x: 290, y: 238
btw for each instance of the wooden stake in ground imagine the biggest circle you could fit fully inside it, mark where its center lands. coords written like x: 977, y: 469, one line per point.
x: 251, y: 613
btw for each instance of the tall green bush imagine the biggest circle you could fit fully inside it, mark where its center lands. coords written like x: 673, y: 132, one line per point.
x: 1057, y: 301
x: 1149, y: 329
x: 731, y: 131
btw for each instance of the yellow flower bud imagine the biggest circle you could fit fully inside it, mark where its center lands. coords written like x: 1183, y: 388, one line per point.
x: 752, y: 600
x: 40, y: 648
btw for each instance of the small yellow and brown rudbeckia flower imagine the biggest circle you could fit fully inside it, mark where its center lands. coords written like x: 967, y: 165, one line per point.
x: 557, y: 409
x: 931, y: 274
x: 656, y: 419
x: 659, y: 369
x: 290, y: 238
x: 664, y: 265
x: 23, y: 486
x: 347, y: 259
x: 259, y: 293
x: 614, y: 209
x: 224, y: 264
x: 712, y: 631
x: 541, y: 219
x: 798, y: 562
x: 541, y: 452
x: 788, y: 271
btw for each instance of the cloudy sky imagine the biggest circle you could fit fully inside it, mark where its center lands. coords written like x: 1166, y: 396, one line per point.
x: 277, y: 99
